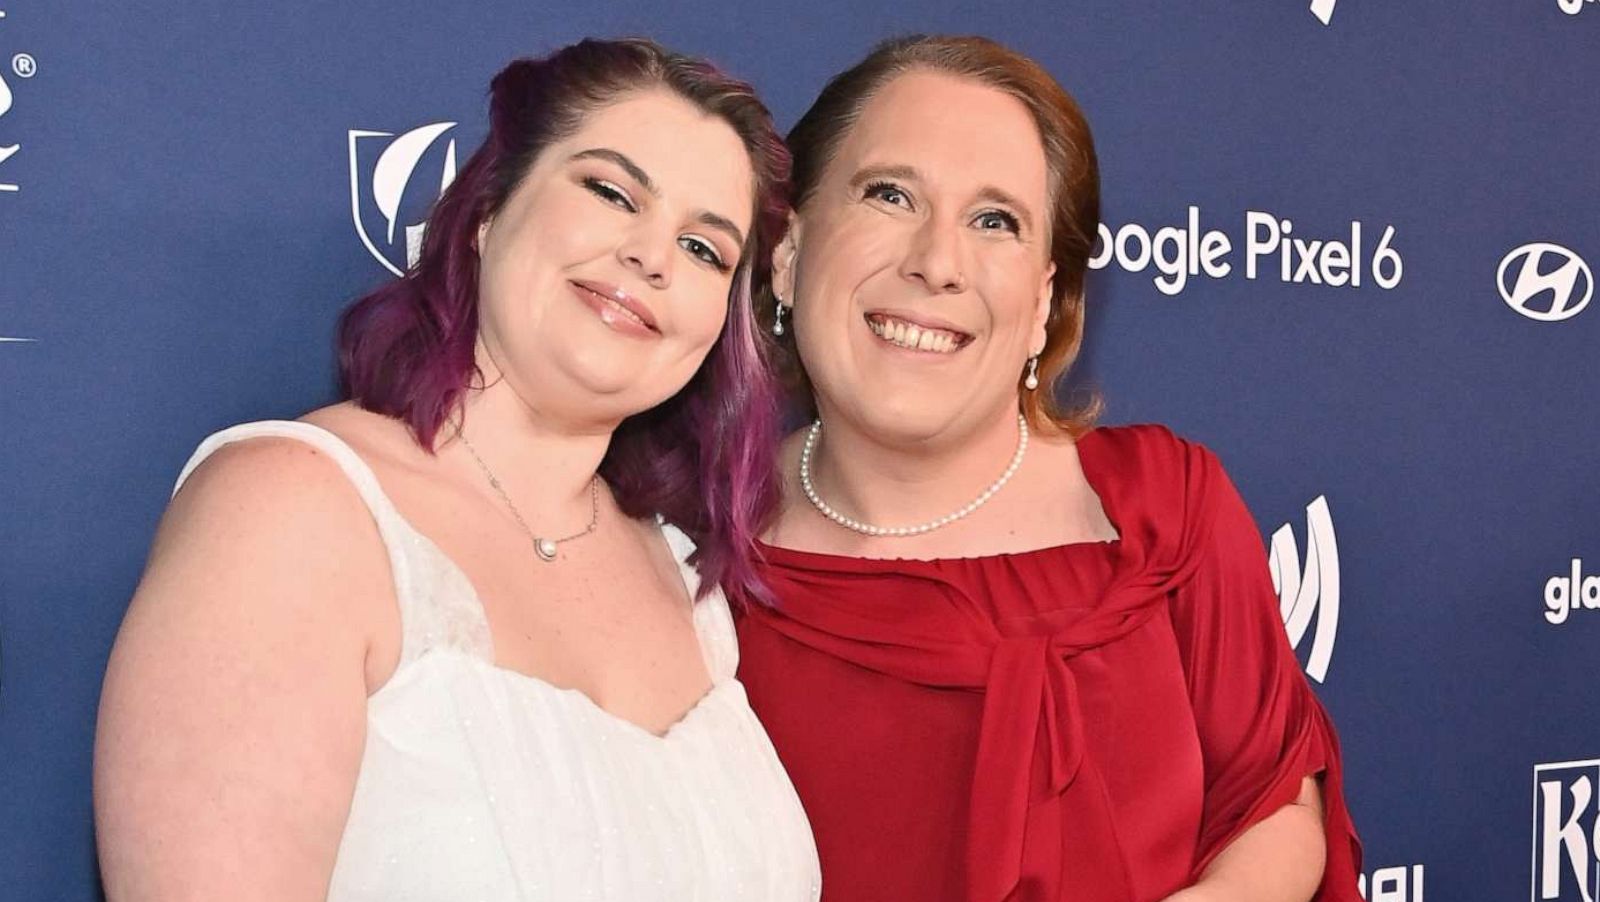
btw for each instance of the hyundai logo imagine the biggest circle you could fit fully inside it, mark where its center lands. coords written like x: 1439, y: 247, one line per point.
x: 1544, y: 270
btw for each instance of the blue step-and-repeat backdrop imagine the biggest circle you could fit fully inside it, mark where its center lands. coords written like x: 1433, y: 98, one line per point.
x: 1350, y: 245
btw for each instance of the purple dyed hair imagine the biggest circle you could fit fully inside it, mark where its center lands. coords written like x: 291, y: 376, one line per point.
x: 704, y: 459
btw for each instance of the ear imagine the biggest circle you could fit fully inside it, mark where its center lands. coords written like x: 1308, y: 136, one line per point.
x: 1041, y: 310
x: 783, y: 258
x: 483, y: 230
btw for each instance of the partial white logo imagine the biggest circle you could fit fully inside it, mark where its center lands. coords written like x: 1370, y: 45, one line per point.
x: 1566, y: 832
x: 1565, y: 594
x: 7, y: 151
x: 1323, y: 10
x: 377, y: 190
x: 1573, y: 7
x: 23, y: 65
x: 1395, y: 884
x: 1271, y: 248
x: 1312, y: 592
x: 1525, y: 276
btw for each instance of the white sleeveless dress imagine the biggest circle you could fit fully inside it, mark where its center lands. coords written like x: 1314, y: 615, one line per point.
x: 482, y: 783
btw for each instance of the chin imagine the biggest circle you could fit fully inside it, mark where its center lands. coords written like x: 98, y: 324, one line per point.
x: 904, y: 420
x: 602, y: 380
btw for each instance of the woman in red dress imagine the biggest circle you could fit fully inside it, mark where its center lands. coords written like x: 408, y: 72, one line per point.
x: 1010, y: 656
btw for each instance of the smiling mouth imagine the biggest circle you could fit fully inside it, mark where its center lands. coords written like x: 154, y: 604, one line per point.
x: 914, y: 337
x: 611, y: 309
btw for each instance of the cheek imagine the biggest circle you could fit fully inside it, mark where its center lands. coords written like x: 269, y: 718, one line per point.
x: 561, y: 227
x: 1010, y: 288
x: 704, y: 316
x: 844, y: 259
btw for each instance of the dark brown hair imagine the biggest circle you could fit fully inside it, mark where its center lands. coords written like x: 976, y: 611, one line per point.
x: 1074, y: 186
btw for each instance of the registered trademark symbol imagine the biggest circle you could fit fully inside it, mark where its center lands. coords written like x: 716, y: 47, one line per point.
x: 24, y: 65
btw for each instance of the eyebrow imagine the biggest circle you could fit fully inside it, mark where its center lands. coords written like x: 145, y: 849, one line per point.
x: 995, y: 195
x: 875, y: 173
x: 634, y: 171
x: 988, y: 193
x: 621, y: 159
x: 722, y: 224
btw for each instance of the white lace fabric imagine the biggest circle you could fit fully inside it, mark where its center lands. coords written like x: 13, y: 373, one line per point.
x: 482, y: 783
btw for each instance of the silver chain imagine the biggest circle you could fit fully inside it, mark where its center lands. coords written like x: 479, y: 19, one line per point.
x: 544, y: 548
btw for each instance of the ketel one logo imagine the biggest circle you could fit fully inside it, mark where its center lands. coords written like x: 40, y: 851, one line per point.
x: 390, y: 214
x: 1566, y: 832
x: 1314, y: 591
x: 1545, y: 281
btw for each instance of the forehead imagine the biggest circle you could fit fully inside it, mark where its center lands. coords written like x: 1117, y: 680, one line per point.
x: 696, y: 159
x: 956, y: 131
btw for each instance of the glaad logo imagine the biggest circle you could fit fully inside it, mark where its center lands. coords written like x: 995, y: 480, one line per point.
x: 1316, y: 591
x: 376, y: 191
x: 1566, y: 832
x: 1179, y: 252
x: 1562, y: 282
x: 1572, y: 7
x: 1564, y: 594
x: 1323, y: 9
x: 1391, y: 885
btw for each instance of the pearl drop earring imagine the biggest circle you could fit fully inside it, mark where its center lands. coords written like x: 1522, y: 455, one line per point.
x: 1032, y: 382
x: 777, y: 317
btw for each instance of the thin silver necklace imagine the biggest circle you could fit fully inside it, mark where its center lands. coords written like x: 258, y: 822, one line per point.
x: 868, y: 529
x: 545, y: 548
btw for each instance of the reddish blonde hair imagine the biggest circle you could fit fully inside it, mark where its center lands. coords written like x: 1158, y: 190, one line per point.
x: 1074, y: 183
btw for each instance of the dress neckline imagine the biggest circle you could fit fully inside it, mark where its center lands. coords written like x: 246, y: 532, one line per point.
x: 517, y: 677
x: 1089, y: 460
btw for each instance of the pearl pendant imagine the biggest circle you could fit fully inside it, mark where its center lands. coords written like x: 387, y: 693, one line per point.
x: 545, y: 548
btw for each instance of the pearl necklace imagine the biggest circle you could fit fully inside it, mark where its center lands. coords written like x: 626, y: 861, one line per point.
x: 868, y: 529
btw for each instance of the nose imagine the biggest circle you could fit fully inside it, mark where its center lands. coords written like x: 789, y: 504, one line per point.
x: 647, y: 253
x: 934, y: 258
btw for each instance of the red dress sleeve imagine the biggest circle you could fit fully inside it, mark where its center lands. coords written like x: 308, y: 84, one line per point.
x: 1261, y: 729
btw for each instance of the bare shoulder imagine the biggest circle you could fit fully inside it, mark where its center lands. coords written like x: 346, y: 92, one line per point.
x: 253, y: 488
x: 239, y: 679
x: 383, y: 441
x: 268, y: 529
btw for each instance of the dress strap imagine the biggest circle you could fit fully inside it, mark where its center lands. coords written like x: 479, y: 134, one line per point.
x: 713, y: 622
x: 355, y: 469
x: 437, y: 605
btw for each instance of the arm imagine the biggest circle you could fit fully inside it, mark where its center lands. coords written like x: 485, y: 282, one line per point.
x: 1279, y: 859
x: 1275, y: 828
x: 233, y: 714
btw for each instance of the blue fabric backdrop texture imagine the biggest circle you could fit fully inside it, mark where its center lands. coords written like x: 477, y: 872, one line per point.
x: 1349, y: 245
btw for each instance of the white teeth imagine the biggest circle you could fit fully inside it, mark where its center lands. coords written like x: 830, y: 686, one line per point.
x: 913, y: 337
x: 624, y: 311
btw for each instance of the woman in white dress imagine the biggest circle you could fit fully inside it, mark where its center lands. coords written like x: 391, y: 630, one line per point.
x: 454, y: 639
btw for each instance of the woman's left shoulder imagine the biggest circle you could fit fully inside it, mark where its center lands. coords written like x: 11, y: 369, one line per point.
x: 1152, y: 450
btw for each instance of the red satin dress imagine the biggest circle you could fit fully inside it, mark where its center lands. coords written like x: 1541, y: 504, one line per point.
x: 1084, y: 723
